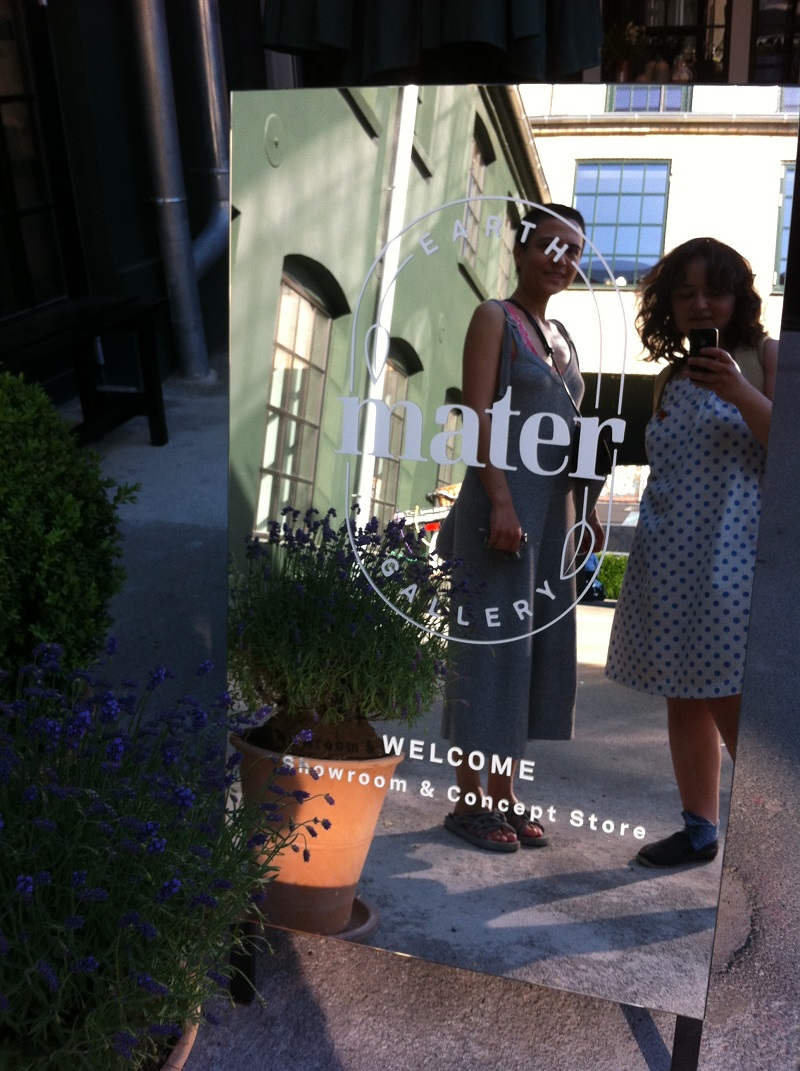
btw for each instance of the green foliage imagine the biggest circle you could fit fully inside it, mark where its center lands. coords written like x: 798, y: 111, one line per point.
x: 611, y: 573
x: 59, y: 539
x: 310, y: 635
x: 127, y: 858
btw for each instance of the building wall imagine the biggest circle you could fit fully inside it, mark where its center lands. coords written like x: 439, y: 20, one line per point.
x: 726, y: 159
x: 324, y: 192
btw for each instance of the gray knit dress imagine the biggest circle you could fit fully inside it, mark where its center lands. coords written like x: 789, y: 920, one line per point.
x: 521, y: 685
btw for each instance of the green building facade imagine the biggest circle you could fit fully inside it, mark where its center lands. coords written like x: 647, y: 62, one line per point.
x: 368, y: 224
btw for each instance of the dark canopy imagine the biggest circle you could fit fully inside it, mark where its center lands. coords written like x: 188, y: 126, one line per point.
x: 379, y: 42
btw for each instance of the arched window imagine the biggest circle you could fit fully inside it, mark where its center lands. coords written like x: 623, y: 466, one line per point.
x: 294, y: 405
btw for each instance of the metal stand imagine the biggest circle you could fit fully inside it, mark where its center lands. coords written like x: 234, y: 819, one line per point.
x: 686, y: 1044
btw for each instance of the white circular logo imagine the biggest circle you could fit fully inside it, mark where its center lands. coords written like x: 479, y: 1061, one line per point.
x: 549, y: 591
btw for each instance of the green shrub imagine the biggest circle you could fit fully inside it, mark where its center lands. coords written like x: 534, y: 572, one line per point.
x: 611, y: 573
x: 59, y: 535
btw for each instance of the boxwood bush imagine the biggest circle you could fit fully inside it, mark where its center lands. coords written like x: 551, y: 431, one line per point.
x: 612, y: 570
x: 60, y: 541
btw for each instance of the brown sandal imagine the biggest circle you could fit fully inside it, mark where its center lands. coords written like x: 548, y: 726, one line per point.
x: 474, y: 828
x: 518, y: 822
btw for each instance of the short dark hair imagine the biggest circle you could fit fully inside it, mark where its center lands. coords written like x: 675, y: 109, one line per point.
x: 540, y: 213
x: 726, y: 270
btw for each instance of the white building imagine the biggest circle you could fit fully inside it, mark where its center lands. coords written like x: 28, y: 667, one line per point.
x: 651, y: 166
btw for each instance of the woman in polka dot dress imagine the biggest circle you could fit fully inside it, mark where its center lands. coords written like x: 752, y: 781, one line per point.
x: 680, y: 627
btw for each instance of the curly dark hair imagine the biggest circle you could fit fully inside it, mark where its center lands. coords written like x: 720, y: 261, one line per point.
x: 726, y: 271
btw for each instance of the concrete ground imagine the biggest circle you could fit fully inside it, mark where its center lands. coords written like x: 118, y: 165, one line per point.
x: 577, y: 915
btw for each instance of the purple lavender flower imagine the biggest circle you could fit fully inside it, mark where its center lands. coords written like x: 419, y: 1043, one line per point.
x: 156, y: 846
x: 306, y: 855
x: 203, y: 900
x: 74, y: 922
x: 211, y: 1018
x: 42, y: 877
x: 110, y: 708
x: 30, y: 793
x: 124, y: 1043
x: 184, y: 797
x: 215, y: 976
x: 258, y: 840
x: 165, y: 1030
x: 144, y: 981
x: 25, y: 886
x: 115, y: 750
x: 49, y: 975
x: 326, y: 823
x: 168, y: 889
x: 204, y: 667
x: 92, y: 896
x: 158, y: 676
x: 85, y: 965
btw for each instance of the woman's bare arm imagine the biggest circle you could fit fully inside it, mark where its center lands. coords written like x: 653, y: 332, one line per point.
x: 481, y: 368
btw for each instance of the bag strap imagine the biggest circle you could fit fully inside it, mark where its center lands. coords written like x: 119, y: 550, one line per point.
x: 548, y: 349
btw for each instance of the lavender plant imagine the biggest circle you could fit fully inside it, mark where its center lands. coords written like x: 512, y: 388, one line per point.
x: 127, y: 858
x: 310, y: 636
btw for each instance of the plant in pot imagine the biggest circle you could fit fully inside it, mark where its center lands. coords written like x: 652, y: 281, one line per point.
x: 128, y: 866
x: 59, y: 535
x: 320, y: 655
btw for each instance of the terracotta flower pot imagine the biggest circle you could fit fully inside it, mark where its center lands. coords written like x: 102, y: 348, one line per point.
x: 317, y: 895
x: 179, y: 1055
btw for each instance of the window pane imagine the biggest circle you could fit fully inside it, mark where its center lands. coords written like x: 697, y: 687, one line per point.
x: 586, y: 205
x: 652, y: 209
x: 319, y: 350
x: 609, y: 178
x: 281, y: 363
x: 655, y: 178
x: 271, y: 441
x: 287, y: 317
x: 294, y: 405
x: 784, y: 223
x: 315, y: 387
x: 295, y: 383
x: 650, y: 239
x: 629, y: 209
x: 632, y: 179
x: 626, y: 225
x: 305, y: 330
x: 627, y: 240
x: 586, y: 178
x: 607, y: 209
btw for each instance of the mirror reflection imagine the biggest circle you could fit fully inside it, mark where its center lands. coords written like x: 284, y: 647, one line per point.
x: 382, y: 300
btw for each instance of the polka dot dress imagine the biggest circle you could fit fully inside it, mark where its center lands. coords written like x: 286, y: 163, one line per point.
x: 680, y: 627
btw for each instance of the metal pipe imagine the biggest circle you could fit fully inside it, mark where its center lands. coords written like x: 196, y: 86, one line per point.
x: 170, y: 194
x: 212, y: 241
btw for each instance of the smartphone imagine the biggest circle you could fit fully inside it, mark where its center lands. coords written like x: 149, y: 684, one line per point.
x: 700, y: 338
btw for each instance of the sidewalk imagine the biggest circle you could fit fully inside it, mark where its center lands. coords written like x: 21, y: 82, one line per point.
x: 331, y: 1005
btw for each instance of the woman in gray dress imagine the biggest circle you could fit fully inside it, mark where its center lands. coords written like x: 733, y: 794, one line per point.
x: 513, y: 675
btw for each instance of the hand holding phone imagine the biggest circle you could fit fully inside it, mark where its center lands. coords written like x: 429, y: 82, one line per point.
x: 701, y: 338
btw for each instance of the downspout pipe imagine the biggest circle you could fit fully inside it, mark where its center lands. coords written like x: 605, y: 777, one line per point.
x: 212, y: 241
x: 170, y: 194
